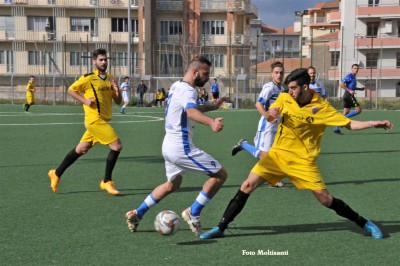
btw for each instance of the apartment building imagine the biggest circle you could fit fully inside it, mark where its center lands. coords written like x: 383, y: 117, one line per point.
x: 369, y: 36
x: 53, y: 39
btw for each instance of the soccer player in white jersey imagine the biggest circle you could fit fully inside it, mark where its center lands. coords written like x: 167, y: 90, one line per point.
x: 316, y: 85
x: 180, y: 153
x: 266, y: 131
x: 126, y: 93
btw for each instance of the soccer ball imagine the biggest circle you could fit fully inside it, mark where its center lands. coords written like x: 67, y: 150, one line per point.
x: 167, y: 223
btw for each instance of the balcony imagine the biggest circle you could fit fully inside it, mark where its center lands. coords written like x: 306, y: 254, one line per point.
x: 365, y: 73
x: 73, y: 3
x: 377, y: 42
x: 334, y: 46
x: 382, y: 11
x: 168, y: 5
x: 242, y: 7
x: 213, y: 5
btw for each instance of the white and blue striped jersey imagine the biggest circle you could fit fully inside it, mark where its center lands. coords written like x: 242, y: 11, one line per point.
x: 178, y: 127
x: 268, y: 95
x: 318, y: 87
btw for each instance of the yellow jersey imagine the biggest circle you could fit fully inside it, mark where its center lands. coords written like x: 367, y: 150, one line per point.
x: 300, y: 130
x: 93, y: 86
x: 30, y: 86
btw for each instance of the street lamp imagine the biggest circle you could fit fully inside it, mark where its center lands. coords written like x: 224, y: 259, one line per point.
x: 301, y: 14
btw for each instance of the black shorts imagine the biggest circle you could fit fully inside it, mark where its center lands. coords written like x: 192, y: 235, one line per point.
x: 349, y: 100
x: 215, y: 94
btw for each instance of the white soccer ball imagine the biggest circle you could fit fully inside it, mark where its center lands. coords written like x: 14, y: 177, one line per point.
x: 167, y: 223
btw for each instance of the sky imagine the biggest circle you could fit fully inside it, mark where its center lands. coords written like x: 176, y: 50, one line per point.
x: 280, y: 13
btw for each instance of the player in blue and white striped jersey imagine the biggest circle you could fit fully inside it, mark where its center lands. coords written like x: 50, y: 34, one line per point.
x: 266, y: 130
x: 179, y: 152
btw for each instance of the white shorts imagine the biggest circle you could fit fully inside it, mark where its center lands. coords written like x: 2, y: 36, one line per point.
x: 264, y: 140
x: 126, y: 96
x: 177, y: 162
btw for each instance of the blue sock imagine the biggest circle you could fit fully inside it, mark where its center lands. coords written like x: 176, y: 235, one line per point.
x: 123, y: 108
x: 251, y: 149
x: 146, y: 205
x: 336, y: 129
x: 352, y: 113
x: 202, y: 199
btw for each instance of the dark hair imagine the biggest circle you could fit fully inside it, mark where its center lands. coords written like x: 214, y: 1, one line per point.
x: 31, y: 76
x: 300, y: 75
x: 354, y: 65
x: 199, y: 60
x: 126, y: 77
x: 311, y: 67
x: 276, y: 64
x: 98, y: 52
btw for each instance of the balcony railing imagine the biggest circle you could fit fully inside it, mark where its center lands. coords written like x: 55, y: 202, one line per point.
x: 213, y: 5
x: 165, y: 5
x: 72, y: 3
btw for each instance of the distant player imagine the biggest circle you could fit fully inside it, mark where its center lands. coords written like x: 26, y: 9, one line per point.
x: 304, y: 117
x: 349, y: 84
x: 180, y: 153
x: 95, y: 91
x: 30, y: 93
x: 266, y: 131
x: 126, y: 93
x: 316, y: 85
x: 215, y: 90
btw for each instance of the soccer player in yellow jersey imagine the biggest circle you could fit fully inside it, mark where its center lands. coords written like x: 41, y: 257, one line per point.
x: 95, y: 91
x: 304, y: 117
x: 30, y: 93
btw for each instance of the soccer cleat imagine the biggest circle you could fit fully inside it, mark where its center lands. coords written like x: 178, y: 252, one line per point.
x: 132, y: 220
x: 109, y: 187
x: 213, y: 233
x: 279, y: 184
x: 338, y: 132
x: 54, y: 179
x: 373, y: 229
x: 193, y: 221
x: 238, y: 147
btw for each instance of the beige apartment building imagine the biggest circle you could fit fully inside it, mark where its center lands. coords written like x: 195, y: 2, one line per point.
x: 53, y: 40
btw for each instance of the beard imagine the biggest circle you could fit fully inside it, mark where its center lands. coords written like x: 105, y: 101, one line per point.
x: 102, y: 68
x: 199, y: 82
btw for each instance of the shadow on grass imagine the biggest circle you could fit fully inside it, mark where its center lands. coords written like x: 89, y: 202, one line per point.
x: 387, y: 228
x: 361, y: 182
x: 356, y: 152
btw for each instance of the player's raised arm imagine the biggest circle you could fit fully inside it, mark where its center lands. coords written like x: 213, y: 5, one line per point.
x: 215, y: 124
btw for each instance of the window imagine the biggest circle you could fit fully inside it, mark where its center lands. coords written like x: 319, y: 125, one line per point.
x: 335, y: 58
x: 121, y: 25
x: 398, y: 60
x: 372, y: 60
x: 276, y: 44
x: 2, y: 57
x: 171, y: 27
x: 35, y: 58
x: 372, y: 29
x: 84, y: 25
x: 290, y: 44
x: 373, y: 2
x: 213, y: 27
x: 169, y: 61
x: 217, y: 60
x: 38, y: 23
x: 75, y: 58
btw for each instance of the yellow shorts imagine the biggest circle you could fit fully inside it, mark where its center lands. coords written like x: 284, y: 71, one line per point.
x: 30, y: 99
x: 304, y: 175
x: 99, y: 131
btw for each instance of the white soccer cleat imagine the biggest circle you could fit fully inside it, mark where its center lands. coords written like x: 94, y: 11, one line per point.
x: 193, y: 221
x: 132, y: 220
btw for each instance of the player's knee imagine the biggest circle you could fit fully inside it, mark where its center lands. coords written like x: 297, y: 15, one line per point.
x: 222, y: 174
x: 324, y: 197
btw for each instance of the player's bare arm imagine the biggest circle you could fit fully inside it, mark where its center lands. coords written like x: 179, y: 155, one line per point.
x: 117, y: 92
x: 212, y: 107
x: 89, y: 102
x: 215, y: 124
x: 358, y: 125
